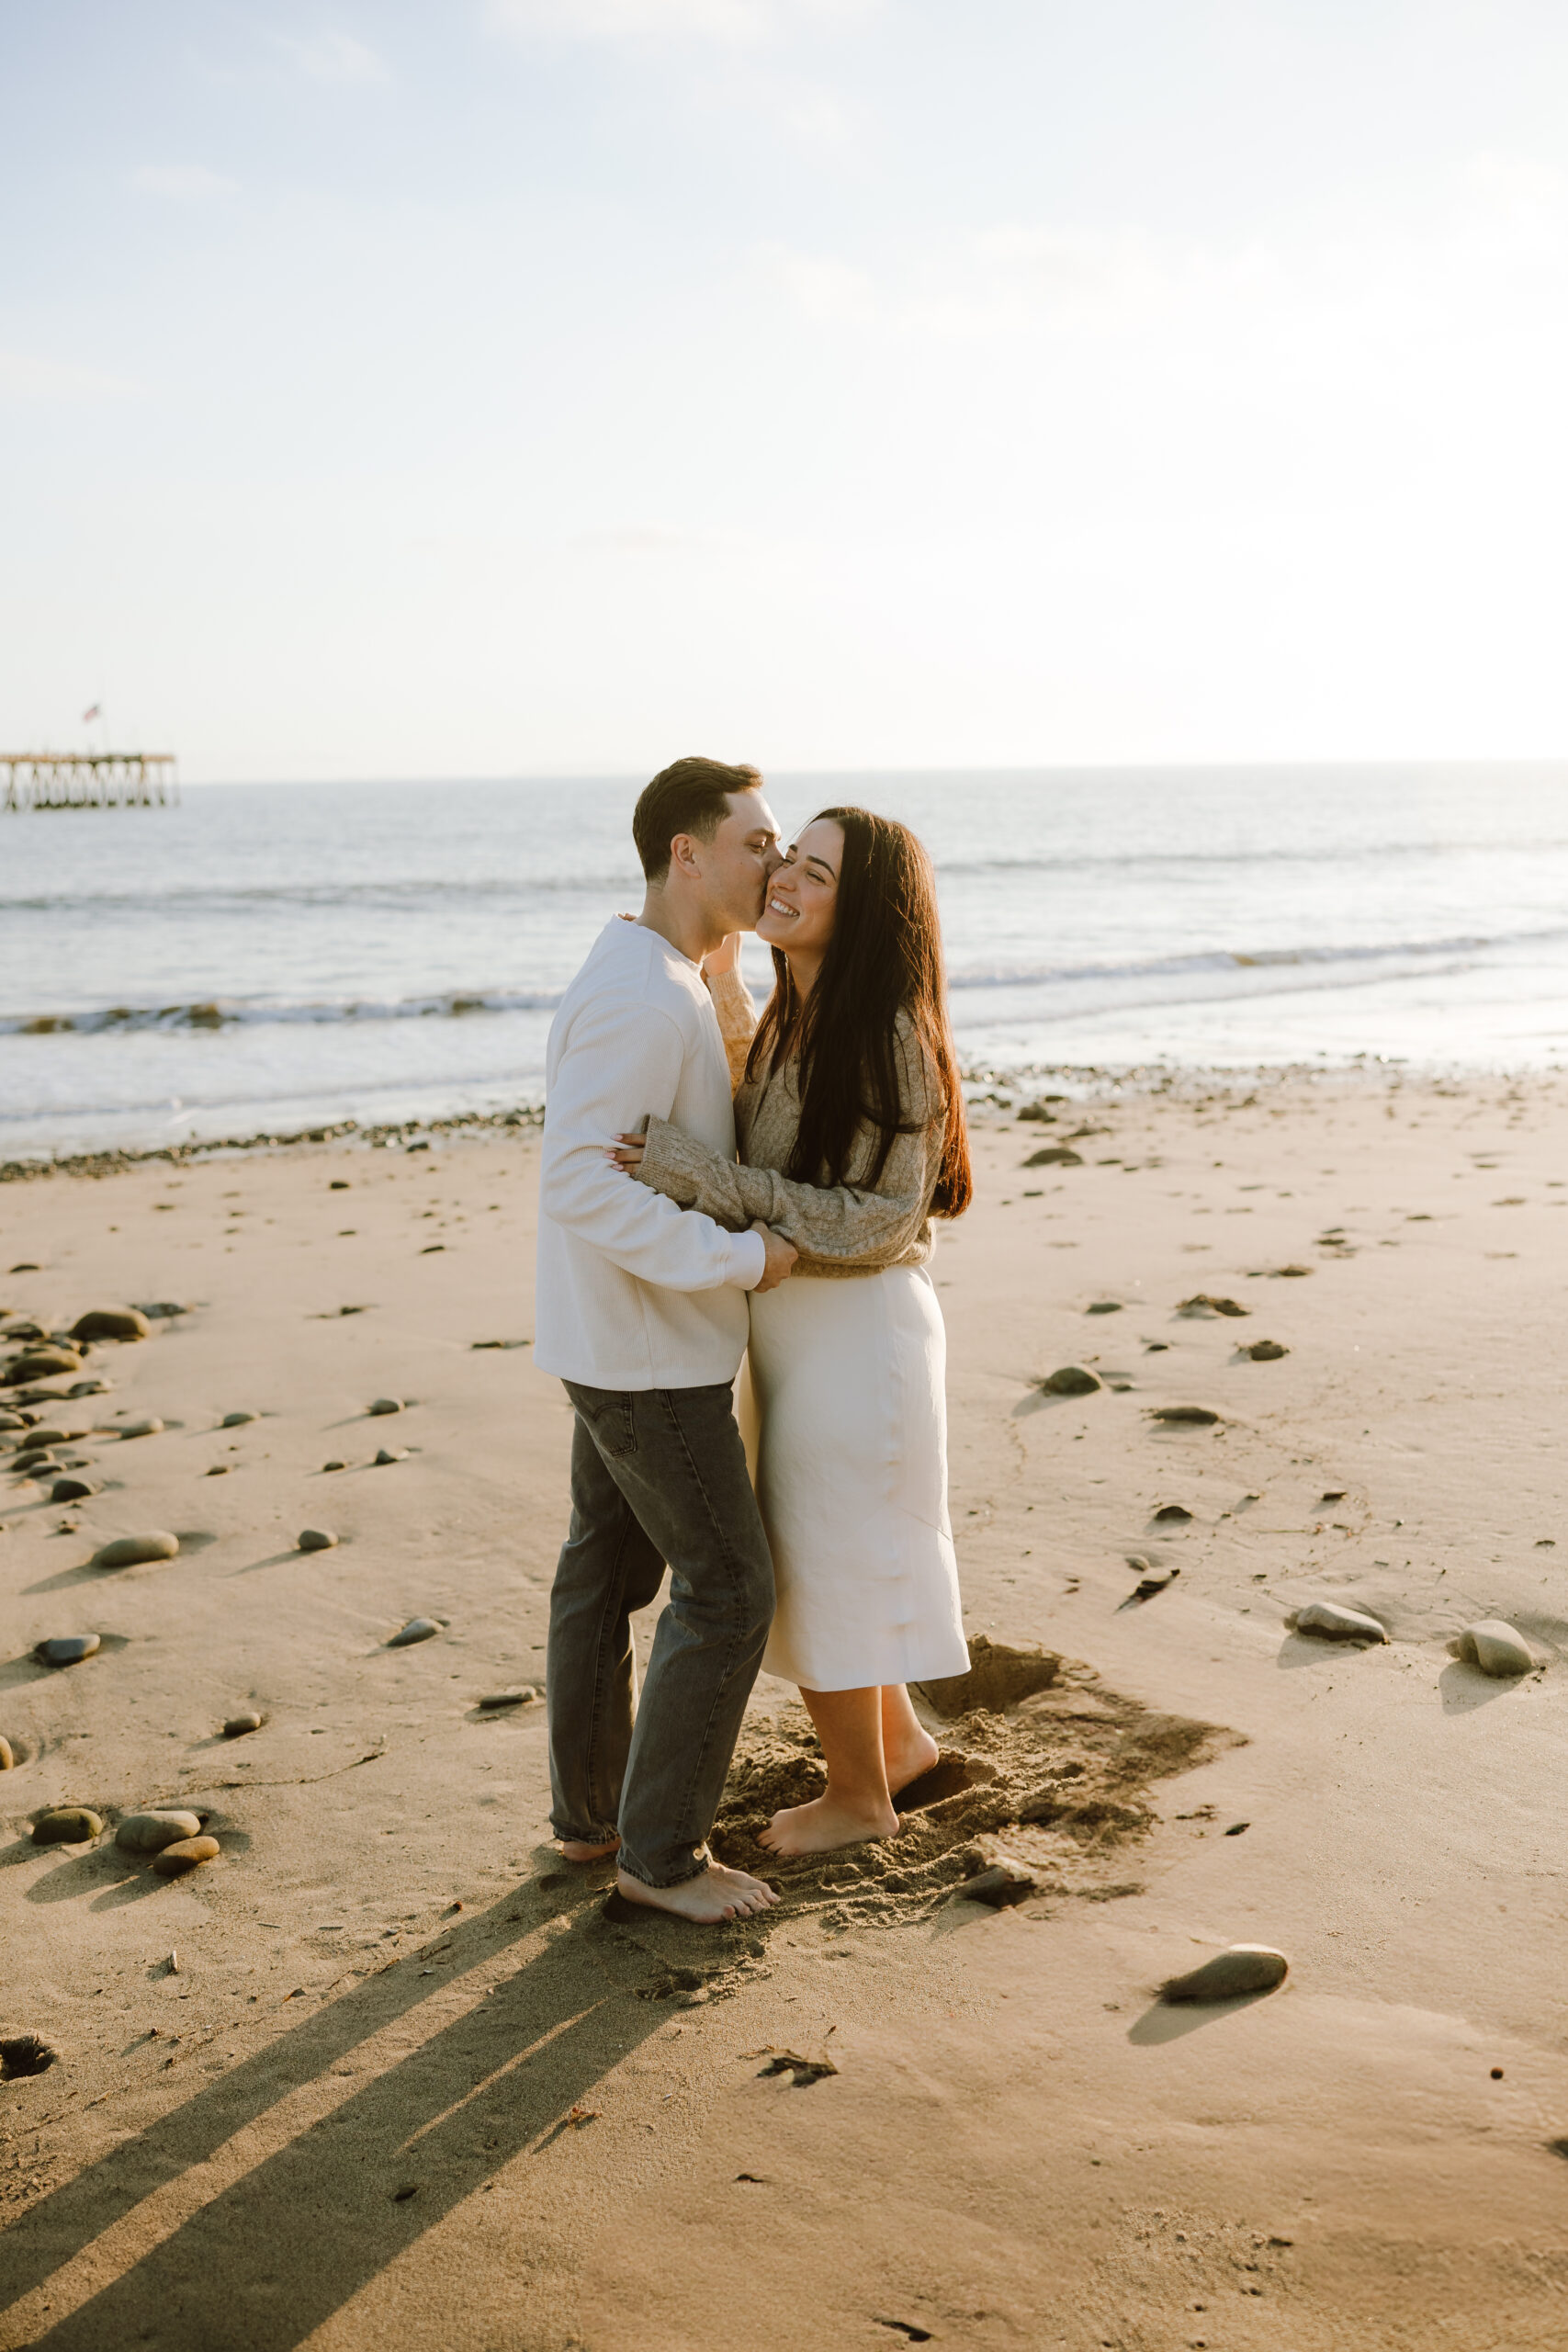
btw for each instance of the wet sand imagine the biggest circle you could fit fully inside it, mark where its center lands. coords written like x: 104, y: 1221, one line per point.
x: 412, y: 2081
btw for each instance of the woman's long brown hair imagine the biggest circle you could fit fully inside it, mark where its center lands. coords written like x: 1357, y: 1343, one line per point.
x: 885, y: 958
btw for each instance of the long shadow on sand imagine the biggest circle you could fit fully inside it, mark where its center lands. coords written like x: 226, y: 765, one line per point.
x: 1164, y: 2023
x: 269, y: 2257
x: 1464, y: 1688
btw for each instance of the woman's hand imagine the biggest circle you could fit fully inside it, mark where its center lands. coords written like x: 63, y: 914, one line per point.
x: 721, y: 959
x: 627, y: 1152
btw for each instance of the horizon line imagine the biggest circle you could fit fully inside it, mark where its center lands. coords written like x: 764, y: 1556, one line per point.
x: 1454, y: 763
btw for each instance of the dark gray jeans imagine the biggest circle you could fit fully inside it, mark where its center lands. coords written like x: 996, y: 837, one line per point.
x: 656, y: 1475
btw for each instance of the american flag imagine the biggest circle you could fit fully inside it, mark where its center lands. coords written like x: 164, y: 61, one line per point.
x: 88, y: 715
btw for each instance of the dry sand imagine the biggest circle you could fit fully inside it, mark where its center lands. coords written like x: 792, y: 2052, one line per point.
x: 414, y: 2082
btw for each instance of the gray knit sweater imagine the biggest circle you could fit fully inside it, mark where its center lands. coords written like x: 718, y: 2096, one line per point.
x: 838, y: 1228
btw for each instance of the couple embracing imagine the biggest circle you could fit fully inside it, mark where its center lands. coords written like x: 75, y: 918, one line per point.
x: 819, y: 1544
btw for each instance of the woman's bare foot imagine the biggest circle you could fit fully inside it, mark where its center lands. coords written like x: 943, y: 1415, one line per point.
x: 717, y: 1896
x: 913, y: 1756
x: 572, y: 1850
x: 824, y: 1822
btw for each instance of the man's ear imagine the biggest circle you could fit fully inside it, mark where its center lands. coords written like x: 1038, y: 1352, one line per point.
x: 683, y: 853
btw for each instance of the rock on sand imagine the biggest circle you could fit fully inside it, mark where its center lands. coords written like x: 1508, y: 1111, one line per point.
x: 1336, y: 1623
x: 1245, y: 1968
x: 111, y: 1323
x: 317, y: 1539
x: 137, y: 1551
x: 149, y: 1833
x: 1072, y: 1380
x: 418, y: 1629
x: 65, y: 1649
x: 186, y: 1854
x: 67, y: 1824
x: 42, y: 1363
x: 1496, y: 1647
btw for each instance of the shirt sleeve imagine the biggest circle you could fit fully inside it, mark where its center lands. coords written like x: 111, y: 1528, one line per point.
x: 619, y: 1060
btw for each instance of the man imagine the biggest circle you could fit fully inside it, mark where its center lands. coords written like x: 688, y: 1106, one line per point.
x: 641, y: 1313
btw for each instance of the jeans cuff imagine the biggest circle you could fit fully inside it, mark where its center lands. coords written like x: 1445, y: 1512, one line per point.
x: 585, y: 1837
x: 682, y: 1878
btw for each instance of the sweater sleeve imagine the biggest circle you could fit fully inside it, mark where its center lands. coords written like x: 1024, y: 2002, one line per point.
x: 617, y: 1061
x: 849, y: 1224
x: 737, y: 1019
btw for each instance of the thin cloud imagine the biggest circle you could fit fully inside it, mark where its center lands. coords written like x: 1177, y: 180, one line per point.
x: 825, y: 289
x: 185, y: 183
x: 637, y: 540
x: 733, y: 23
x: 28, y: 376
x: 332, y: 57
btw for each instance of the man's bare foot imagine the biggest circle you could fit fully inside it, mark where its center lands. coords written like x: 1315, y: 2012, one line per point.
x: 912, y: 1758
x: 717, y: 1896
x: 572, y: 1850
x: 824, y: 1822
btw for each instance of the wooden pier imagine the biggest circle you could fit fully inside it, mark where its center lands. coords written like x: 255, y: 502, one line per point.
x: 88, y: 780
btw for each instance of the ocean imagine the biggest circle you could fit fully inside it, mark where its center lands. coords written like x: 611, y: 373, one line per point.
x: 264, y: 958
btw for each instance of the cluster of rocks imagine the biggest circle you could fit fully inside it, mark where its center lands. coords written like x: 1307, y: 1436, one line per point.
x: 44, y: 1354
x: 42, y: 1377
x: 173, y: 1840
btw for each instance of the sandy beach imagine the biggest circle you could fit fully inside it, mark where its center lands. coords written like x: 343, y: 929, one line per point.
x: 386, y: 2072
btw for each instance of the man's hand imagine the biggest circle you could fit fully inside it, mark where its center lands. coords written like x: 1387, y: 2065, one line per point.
x: 781, y: 1256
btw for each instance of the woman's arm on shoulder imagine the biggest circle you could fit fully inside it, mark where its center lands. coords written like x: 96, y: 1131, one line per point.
x: 737, y: 1014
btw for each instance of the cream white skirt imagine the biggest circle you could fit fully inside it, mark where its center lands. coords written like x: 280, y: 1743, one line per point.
x: 843, y: 1408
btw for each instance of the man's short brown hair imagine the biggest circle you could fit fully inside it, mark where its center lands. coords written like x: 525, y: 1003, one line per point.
x: 692, y: 797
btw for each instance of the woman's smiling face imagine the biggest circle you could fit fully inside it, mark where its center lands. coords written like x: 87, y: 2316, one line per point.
x: 803, y: 895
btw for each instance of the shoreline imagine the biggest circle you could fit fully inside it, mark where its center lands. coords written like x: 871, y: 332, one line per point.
x: 1000, y: 1086
x: 111, y: 1161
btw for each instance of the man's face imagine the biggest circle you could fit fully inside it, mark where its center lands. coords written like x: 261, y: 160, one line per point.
x: 739, y: 860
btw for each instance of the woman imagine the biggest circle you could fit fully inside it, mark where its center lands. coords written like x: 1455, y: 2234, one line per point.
x: 850, y: 1124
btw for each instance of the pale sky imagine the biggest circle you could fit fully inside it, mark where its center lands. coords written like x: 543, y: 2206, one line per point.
x: 493, y: 387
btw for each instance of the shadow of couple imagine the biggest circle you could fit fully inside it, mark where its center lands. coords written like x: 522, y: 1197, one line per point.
x: 496, y: 2050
